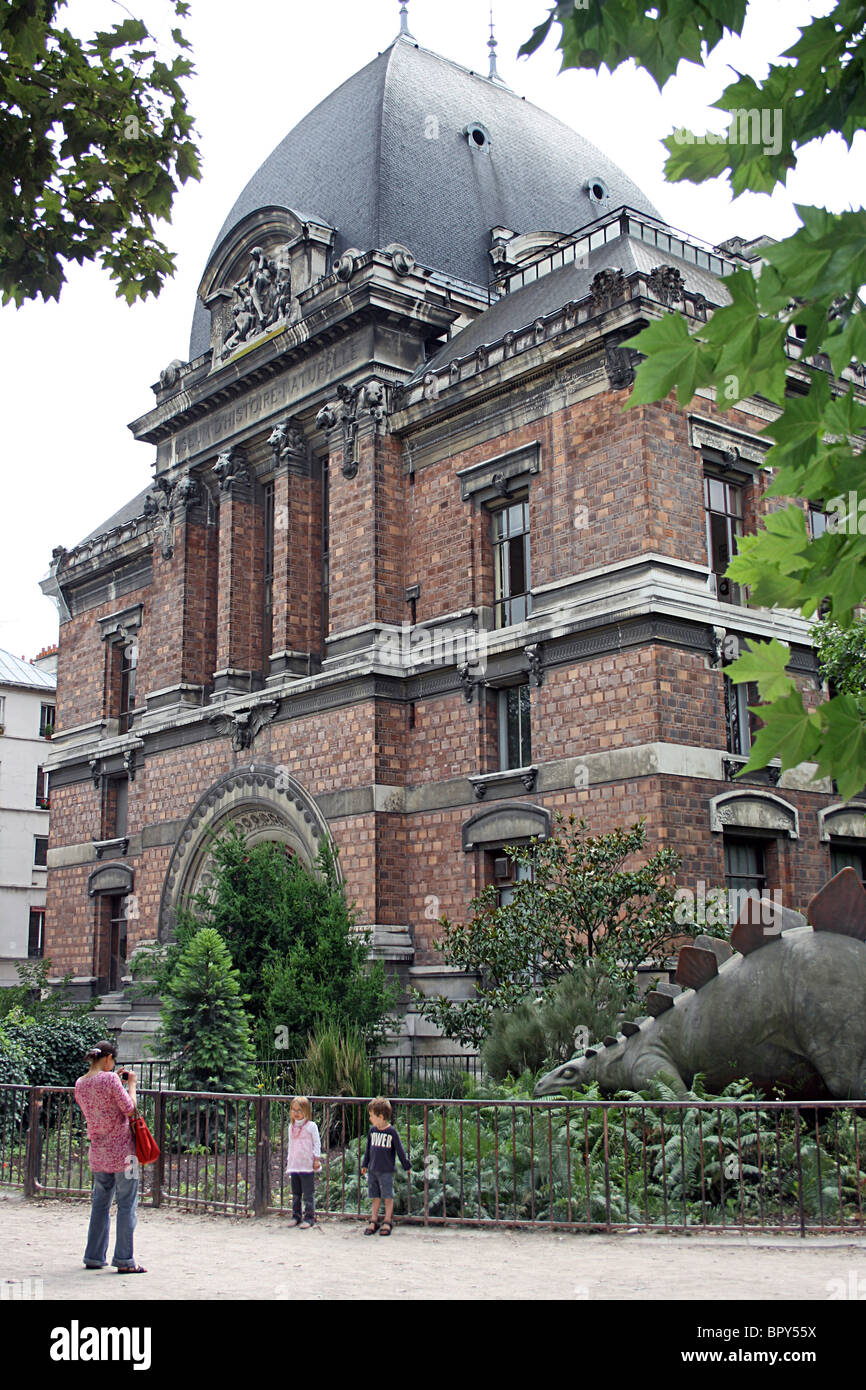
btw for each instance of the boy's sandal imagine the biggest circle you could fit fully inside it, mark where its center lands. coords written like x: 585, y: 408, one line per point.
x: 386, y: 1228
x: 131, y: 1269
x: 372, y: 1228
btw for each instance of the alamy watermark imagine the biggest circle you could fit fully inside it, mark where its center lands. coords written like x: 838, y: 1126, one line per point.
x: 21, y: 1290
x: 416, y: 645
x: 756, y: 126
x: 718, y: 907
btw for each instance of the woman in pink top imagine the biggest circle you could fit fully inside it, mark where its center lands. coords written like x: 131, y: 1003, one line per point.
x: 107, y: 1107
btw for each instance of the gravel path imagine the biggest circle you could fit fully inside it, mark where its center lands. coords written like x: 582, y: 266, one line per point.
x: 191, y: 1256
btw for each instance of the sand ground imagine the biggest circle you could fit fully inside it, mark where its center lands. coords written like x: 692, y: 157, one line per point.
x: 192, y: 1256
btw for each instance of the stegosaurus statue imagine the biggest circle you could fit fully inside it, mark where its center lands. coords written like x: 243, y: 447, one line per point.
x: 784, y: 1006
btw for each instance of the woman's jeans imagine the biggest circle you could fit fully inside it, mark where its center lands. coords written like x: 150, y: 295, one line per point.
x: 100, y: 1205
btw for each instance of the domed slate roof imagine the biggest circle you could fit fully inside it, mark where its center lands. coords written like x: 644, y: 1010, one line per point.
x: 385, y: 158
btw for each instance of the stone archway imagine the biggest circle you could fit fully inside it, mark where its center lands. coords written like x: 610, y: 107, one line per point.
x: 266, y: 804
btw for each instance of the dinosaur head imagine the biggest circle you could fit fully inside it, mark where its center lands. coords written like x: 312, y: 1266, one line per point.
x: 576, y: 1072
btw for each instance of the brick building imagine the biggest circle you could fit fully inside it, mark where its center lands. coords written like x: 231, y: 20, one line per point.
x: 408, y: 576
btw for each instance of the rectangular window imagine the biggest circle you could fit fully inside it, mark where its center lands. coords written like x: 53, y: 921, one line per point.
x: 745, y: 872
x: 2, y: 713
x: 117, y: 942
x: 40, y: 851
x: 511, y: 570
x: 268, y: 573
x: 738, y: 721
x: 515, y: 741
x: 42, y: 788
x: 128, y: 668
x: 36, y: 932
x: 46, y: 721
x: 816, y: 522
x: 723, y: 503
x: 118, y: 809
x: 516, y: 874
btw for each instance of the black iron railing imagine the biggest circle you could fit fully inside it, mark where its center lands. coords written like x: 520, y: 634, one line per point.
x: 391, y: 1073
x: 600, y: 1165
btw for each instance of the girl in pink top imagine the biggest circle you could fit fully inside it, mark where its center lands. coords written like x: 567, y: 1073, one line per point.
x: 305, y: 1158
x: 107, y: 1106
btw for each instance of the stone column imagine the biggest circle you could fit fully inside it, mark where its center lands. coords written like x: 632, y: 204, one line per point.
x: 181, y: 617
x: 296, y: 633
x: 240, y: 657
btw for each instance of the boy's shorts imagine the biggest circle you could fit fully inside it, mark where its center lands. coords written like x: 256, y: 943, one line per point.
x: 380, y: 1185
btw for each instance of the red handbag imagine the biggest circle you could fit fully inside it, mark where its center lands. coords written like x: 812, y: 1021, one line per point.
x: 146, y: 1147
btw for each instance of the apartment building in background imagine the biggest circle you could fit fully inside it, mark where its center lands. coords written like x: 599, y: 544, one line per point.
x: 27, y: 706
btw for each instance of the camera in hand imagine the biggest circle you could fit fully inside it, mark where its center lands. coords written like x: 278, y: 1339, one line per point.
x: 125, y: 1075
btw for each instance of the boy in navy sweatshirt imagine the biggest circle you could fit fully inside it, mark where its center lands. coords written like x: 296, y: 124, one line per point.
x: 383, y: 1149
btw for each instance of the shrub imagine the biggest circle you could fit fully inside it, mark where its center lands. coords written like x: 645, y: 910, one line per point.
x: 516, y: 1043
x: 292, y: 937
x: 578, y: 902
x: 52, y: 1045
x: 204, y: 1023
x: 541, y: 1034
x: 337, y: 1064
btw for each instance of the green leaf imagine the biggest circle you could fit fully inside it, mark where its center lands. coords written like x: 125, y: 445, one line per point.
x: 765, y: 663
x: 842, y: 753
x: 674, y: 359
x: 789, y: 733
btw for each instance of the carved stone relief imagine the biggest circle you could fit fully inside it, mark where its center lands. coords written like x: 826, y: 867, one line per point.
x: 606, y: 288
x: 168, y: 502
x: 667, y: 284
x: 353, y: 402
x: 261, y: 298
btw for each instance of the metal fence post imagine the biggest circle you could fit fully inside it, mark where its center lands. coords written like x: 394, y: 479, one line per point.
x: 159, y: 1136
x: 799, y: 1173
x: 263, y: 1156
x: 33, y: 1146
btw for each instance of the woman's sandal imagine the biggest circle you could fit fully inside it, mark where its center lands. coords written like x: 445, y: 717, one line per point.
x: 131, y: 1269
x: 372, y: 1228
x: 386, y: 1228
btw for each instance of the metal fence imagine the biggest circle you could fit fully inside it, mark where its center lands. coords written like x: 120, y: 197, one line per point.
x: 593, y: 1165
x: 391, y: 1073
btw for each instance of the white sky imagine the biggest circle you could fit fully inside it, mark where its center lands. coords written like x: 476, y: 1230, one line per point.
x: 75, y: 372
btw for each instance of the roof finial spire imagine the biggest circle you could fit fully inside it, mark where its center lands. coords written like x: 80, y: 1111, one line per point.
x: 491, y: 44
x: 404, y: 20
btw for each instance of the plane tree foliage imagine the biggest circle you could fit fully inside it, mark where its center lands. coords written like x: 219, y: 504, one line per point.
x: 810, y: 285
x: 96, y: 138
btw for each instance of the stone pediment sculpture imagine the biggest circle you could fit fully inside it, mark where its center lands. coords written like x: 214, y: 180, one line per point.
x: 262, y: 297
x: 781, y: 1006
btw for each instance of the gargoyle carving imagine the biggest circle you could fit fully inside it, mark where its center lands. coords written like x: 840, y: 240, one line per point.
x: 231, y: 469
x: 167, y: 502
x: 353, y: 402
x: 288, y: 443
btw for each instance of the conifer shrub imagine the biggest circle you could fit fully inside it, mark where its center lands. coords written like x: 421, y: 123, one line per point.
x: 205, y: 1029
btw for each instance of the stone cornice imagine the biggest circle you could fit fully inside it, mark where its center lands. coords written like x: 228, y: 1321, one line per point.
x: 333, y: 307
